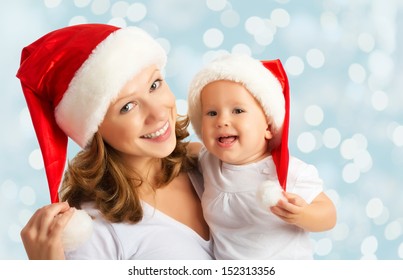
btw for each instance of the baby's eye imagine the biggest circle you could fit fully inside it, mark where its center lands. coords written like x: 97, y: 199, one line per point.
x: 156, y: 84
x: 127, y: 108
x: 238, y: 111
x: 212, y: 113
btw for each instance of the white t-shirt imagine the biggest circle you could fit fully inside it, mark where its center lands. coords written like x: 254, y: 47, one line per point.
x: 240, y: 227
x: 156, y: 237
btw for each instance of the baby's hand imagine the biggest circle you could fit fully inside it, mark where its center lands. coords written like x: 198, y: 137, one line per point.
x: 291, y: 209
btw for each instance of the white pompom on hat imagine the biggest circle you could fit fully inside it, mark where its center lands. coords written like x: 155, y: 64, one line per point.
x: 266, y: 81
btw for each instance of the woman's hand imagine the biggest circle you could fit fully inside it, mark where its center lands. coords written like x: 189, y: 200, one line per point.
x: 42, y: 235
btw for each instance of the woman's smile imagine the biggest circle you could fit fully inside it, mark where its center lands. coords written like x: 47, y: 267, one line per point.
x: 159, y: 132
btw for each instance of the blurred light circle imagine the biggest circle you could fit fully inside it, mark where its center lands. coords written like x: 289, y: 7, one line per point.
x: 329, y: 21
x: 216, y: 5
x: 181, y: 107
x: 264, y: 38
x: 35, y: 159
x: 391, y: 128
x: 77, y: 20
x: 400, y: 251
x: 9, y: 189
x: 100, y: 7
x: 383, y: 218
x: 331, y: 138
x: 315, y: 58
x: 313, y: 115
x: 350, y: 173
x: 382, y: 65
x: 366, y: 42
x: 52, y: 3
x: 119, y: 9
x: 306, y: 142
x: 374, y: 208
x: 81, y: 3
x: 136, y: 12
x: 349, y: 148
x: 211, y: 55
x: 266, y: 35
x: 323, y: 246
x: 357, y: 73
x: 363, y: 160
x: 255, y: 25
x: 280, y: 17
x: 340, y: 232
x: 369, y: 246
x: 379, y: 100
x: 118, y: 21
x: 230, y: 18
x: 241, y: 49
x: 397, y: 136
x: 361, y: 140
x: 393, y: 230
x: 294, y: 65
x: 333, y: 195
x: 27, y: 195
x: 213, y: 38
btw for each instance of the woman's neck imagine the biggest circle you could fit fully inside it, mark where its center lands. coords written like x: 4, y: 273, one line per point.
x: 148, y: 170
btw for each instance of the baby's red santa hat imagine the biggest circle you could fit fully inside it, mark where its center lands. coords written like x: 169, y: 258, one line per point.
x: 69, y: 78
x: 266, y: 81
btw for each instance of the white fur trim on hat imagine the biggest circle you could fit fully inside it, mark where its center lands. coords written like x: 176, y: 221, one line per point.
x: 251, y: 73
x: 117, y: 59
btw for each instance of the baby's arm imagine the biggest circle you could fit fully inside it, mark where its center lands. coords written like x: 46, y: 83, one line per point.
x: 319, y: 215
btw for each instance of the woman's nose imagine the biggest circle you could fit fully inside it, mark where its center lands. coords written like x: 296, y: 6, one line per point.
x: 157, y: 109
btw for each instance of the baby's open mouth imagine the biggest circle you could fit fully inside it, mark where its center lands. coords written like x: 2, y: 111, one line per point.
x: 227, y: 139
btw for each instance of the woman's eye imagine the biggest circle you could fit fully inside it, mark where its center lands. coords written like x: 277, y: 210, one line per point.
x: 238, y: 111
x: 127, y: 108
x: 155, y: 85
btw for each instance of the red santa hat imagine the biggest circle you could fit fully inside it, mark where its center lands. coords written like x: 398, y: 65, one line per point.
x: 267, y: 82
x: 69, y: 78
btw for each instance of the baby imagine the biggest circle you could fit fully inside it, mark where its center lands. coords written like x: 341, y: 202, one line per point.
x: 239, y: 108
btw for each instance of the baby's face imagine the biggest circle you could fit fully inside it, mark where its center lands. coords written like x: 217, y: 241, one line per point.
x: 234, y: 126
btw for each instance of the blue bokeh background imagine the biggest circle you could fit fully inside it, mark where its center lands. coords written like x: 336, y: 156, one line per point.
x: 345, y: 71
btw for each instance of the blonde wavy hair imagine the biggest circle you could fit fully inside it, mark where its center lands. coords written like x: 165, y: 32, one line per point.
x: 97, y: 174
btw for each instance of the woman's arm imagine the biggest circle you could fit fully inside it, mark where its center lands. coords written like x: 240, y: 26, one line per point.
x: 42, y: 235
x: 319, y: 215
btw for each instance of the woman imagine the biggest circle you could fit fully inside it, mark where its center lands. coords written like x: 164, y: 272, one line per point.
x: 102, y: 86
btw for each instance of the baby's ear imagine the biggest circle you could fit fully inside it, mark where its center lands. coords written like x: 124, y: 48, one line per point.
x: 268, y: 134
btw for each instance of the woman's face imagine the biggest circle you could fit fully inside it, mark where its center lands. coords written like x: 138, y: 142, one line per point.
x: 140, y: 124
